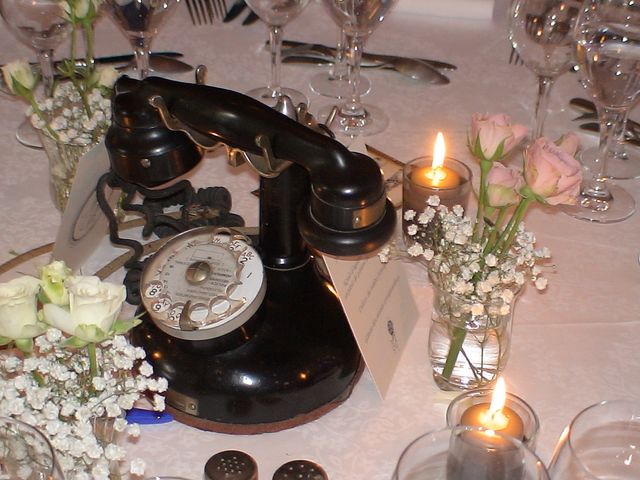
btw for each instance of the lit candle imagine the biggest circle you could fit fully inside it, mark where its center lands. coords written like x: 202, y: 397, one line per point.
x: 496, y: 415
x: 486, y: 455
x: 437, y: 175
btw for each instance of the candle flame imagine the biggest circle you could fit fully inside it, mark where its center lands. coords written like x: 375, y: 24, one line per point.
x: 494, y: 419
x: 499, y: 396
x: 439, y: 151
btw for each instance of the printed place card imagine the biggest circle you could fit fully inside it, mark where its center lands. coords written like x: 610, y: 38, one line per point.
x: 380, y: 308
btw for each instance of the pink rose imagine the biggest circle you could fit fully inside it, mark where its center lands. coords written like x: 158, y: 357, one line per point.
x: 569, y: 142
x: 503, y: 184
x: 489, y: 132
x: 551, y: 173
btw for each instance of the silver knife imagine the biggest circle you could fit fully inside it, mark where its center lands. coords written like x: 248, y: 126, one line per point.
x: 373, y: 57
x: 409, y: 67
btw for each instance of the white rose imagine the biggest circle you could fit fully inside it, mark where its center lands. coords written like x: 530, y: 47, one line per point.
x: 19, y: 72
x: 53, y: 277
x: 93, y: 308
x: 19, y: 308
x: 105, y: 76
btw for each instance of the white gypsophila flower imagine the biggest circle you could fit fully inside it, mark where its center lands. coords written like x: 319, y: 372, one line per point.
x: 540, y: 283
x: 477, y: 309
x: 412, y: 230
x: 415, y: 250
x: 433, y: 201
x: 145, y: 369
x: 137, y: 466
x: 409, y: 215
x: 133, y: 430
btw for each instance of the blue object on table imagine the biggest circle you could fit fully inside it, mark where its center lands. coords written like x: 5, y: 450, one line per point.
x: 147, y: 417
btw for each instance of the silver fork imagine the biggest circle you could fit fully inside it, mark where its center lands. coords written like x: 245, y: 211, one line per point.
x: 204, y: 12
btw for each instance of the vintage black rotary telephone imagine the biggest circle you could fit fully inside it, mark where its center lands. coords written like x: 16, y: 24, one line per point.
x: 295, y: 358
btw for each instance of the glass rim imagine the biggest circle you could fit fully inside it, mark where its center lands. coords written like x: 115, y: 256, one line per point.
x: 579, y: 416
x: 466, y: 428
x: 488, y: 391
x: 463, y: 166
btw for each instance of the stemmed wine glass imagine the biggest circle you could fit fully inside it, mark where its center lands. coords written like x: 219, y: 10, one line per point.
x: 541, y: 31
x: 623, y: 161
x: 608, y: 50
x: 335, y: 82
x: 358, y: 19
x: 140, y: 21
x: 276, y: 14
x: 39, y: 24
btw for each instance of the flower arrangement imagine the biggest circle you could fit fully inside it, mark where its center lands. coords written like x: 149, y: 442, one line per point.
x: 479, y: 265
x: 79, y: 110
x: 72, y: 367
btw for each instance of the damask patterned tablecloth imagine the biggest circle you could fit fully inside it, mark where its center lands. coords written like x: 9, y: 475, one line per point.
x: 573, y: 345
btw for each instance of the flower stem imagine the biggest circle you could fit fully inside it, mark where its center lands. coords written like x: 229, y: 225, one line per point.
x: 485, y: 166
x: 38, y: 112
x: 494, y: 231
x: 457, y: 339
x: 93, y: 362
x: 506, y: 240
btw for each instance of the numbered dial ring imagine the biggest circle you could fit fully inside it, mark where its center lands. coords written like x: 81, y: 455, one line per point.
x: 203, y: 284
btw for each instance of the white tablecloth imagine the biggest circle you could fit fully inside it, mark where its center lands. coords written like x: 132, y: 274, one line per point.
x: 572, y: 346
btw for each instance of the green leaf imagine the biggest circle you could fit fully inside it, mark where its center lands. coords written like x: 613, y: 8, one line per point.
x: 5, y: 341
x: 123, y: 326
x: 74, y: 342
x: 25, y: 344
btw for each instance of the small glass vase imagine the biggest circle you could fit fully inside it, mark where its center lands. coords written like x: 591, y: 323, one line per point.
x: 63, y: 162
x: 468, y: 342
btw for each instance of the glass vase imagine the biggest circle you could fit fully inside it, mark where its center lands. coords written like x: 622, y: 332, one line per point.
x: 469, y: 341
x: 63, y: 162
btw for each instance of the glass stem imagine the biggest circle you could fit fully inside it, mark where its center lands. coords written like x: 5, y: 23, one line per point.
x: 141, y: 49
x: 340, y: 69
x: 45, y: 58
x: 544, y: 88
x: 353, y: 107
x: 610, y: 121
x: 275, y: 43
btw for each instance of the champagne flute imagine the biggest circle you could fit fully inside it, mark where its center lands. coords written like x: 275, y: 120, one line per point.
x: 140, y: 21
x: 40, y: 25
x: 276, y: 14
x: 608, y: 51
x: 335, y: 83
x: 541, y: 33
x: 358, y: 18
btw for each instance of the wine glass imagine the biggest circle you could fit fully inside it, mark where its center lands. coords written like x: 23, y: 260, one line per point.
x: 140, y: 21
x: 623, y: 160
x: 358, y: 19
x: 276, y: 14
x: 608, y: 50
x: 335, y: 82
x: 541, y: 31
x: 25, y: 452
x: 40, y: 25
x: 600, y: 443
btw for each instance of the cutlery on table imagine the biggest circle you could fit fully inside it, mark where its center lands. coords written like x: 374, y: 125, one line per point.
x: 162, y: 64
x: 630, y: 137
x: 589, y: 112
x: 236, y: 9
x: 330, y: 52
x: 409, y: 67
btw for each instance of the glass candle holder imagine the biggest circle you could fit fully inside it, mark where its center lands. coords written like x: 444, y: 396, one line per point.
x: 452, y: 186
x: 601, y: 442
x: 468, y: 453
x: 515, y: 408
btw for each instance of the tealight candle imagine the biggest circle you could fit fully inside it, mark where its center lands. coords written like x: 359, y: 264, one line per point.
x: 495, y: 415
x: 438, y: 175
